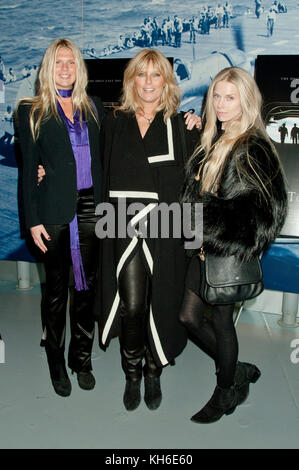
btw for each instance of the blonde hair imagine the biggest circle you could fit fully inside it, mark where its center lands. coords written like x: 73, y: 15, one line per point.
x: 237, y: 132
x: 44, y: 104
x: 171, y: 94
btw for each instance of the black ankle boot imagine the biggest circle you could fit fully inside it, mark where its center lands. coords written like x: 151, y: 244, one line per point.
x: 86, y: 380
x: 223, y: 401
x: 245, y: 374
x: 153, y: 394
x: 132, y: 395
x: 60, y: 380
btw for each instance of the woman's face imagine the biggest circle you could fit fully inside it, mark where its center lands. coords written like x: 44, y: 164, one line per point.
x: 149, y: 85
x: 226, y: 102
x: 65, y: 69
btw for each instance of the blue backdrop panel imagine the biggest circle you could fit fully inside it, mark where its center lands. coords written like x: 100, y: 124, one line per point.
x: 210, y: 40
x: 281, y: 267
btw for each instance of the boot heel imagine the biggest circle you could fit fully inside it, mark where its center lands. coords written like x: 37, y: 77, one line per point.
x: 230, y: 411
x: 256, y: 375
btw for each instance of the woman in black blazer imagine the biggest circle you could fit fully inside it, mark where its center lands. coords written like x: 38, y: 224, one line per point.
x: 59, y: 128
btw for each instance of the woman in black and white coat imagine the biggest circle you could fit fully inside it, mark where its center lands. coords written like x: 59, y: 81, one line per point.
x: 235, y: 173
x: 141, y: 280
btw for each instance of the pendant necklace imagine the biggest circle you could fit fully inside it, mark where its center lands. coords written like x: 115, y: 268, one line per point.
x: 149, y: 120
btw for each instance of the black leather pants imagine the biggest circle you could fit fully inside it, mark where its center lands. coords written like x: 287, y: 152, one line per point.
x: 57, y: 262
x: 134, y: 294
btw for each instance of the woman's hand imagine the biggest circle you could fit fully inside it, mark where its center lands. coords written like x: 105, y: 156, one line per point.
x: 37, y: 232
x: 40, y: 173
x: 192, y: 120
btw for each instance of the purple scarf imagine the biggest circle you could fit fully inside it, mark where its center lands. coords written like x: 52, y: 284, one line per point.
x: 80, y: 144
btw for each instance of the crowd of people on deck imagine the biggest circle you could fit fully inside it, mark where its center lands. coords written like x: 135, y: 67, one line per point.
x: 168, y: 31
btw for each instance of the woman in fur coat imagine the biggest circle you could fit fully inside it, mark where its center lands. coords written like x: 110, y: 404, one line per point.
x: 236, y: 174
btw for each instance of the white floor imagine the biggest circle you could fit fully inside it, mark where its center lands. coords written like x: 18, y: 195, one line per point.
x: 32, y: 416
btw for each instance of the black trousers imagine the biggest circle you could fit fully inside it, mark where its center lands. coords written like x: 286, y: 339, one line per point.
x: 57, y: 261
x: 134, y: 291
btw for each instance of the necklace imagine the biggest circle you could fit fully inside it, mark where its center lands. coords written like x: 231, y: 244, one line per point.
x: 149, y: 120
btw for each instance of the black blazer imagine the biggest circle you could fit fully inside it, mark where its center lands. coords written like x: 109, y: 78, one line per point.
x: 54, y: 200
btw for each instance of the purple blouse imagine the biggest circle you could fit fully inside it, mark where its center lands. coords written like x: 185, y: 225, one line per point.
x: 80, y: 144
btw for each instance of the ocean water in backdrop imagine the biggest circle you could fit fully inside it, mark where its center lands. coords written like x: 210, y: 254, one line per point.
x: 29, y: 26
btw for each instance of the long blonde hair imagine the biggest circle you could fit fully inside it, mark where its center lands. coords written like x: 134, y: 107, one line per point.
x: 44, y: 104
x: 236, y: 133
x: 171, y: 94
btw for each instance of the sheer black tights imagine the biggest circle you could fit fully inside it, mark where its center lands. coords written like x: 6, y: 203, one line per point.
x: 216, y: 336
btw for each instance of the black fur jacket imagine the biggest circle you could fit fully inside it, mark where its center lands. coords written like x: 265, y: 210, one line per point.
x: 239, y: 220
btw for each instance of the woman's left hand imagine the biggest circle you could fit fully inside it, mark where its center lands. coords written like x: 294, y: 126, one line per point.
x: 192, y: 120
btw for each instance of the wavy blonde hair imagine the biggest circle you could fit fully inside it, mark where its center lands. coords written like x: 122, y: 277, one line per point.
x: 171, y: 95
x: 236, y: 133
x: 44, y: 104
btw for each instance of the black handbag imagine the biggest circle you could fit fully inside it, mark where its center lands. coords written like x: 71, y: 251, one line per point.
x: 226, y: 280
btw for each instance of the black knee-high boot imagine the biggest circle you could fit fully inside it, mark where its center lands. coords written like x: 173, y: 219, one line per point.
x: 132, y: 353
x: 132, y: 343
x: 82, y: 320
x: 133, y: 290
x: 152, y: 373
x: 57, y: 265
x: 82, y: 336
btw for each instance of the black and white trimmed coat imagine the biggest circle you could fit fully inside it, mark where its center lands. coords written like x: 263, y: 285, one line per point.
x: 148, y: 170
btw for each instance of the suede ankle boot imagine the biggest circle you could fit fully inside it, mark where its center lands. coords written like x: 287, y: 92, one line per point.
x: 223, y: 401
x: 152, y: 394
x: 132, y: 396
x: 86, y: 380
x: 245, y: 374
x: 60, y: 380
